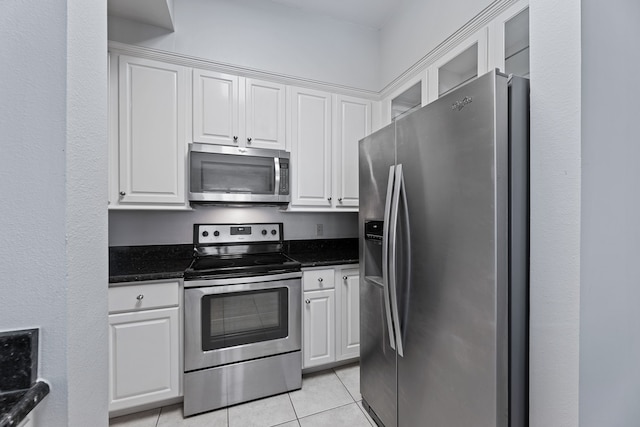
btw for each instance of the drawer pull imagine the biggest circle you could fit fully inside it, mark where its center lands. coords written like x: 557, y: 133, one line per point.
x: 308, y: 301
x: 139, y: 297
x: 320, y: 279
x: 344, y: 277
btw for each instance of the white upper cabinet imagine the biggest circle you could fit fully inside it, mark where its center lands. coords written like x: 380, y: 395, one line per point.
x: 215, y: 108
x: 352, y: 122
x: 509, y: 40
x: 310, y: 112
x: 151, y: 138
x: 265, y: 114
x: 466, y: 61
x: 232, y: 110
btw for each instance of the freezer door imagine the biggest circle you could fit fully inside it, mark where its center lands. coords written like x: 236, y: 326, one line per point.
x: 453, y: 301
x: 377, y: 356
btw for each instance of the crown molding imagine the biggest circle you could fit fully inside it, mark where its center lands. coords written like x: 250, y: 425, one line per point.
x: 195, y: 62
x: 474, y: 25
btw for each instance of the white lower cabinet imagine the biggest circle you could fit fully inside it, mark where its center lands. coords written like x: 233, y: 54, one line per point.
x: 319, y: 345
x: 144, y: 345
x: 331, y: 315
x: 348, y: 313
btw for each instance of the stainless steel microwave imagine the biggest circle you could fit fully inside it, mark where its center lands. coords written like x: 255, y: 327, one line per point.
x: 230, y: 175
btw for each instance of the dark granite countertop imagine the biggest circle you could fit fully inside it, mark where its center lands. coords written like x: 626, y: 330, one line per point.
x: 16, y: 405
x: 323, y: 252
x: 20, y: 391
x: 157, y: 262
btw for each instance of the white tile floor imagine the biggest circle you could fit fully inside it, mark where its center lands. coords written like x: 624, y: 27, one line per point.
x: 327, y: 398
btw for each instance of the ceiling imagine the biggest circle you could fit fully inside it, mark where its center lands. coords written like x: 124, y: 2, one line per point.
x: 370, y: 13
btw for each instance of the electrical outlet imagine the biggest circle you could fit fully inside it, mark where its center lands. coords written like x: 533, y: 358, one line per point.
x: 319, y: 230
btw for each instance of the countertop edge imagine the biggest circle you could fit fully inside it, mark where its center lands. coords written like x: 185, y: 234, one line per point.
x: 31, y: 398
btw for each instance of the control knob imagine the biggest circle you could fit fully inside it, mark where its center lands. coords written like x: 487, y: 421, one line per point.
x: 273, y: 232
x: 205, y: 233
x: 216, y: 233
x: 264, y: 232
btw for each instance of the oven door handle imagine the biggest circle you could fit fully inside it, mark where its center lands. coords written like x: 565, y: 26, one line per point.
x: 205, y: 283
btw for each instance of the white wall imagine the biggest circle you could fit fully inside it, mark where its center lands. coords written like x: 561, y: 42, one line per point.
x: 266, y: 36
x: 130, y: 228
x: 417, y: 28
x: 610, y: 267
x: 53, y: 109
x: 555, y: 212
x: 86, y: 214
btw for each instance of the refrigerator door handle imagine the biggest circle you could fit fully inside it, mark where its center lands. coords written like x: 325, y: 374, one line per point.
x: 385, y: 255
x: 393, y: 249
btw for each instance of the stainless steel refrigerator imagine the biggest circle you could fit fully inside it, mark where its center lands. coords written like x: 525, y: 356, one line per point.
x: 444, y: 261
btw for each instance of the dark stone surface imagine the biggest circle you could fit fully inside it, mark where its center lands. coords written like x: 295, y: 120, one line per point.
x: 19, y: 390
x: 323, y: 252
x: 18, y: 359
x: 16, y: 405
x: 154, y: 262
x: 139, y: 263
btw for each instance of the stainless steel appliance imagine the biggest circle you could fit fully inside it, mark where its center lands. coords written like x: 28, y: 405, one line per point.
x: 230, y: 175
x: 242, y: 323
x: 444, y: 261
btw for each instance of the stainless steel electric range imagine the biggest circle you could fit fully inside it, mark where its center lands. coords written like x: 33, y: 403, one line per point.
x: 242, y: 323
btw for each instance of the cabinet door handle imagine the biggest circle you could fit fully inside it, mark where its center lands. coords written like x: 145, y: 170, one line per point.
x: 235, y: 139
x: 139, y: 297
x: 320, y: 279
x: 329, y: 199
x: 344, y: 277
x: 248, y: 140
x: 308, y: 301
x: 340, y: 200
x: 122, y: 194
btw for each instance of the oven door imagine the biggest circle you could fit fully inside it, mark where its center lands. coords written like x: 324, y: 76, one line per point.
x: 232, y: 320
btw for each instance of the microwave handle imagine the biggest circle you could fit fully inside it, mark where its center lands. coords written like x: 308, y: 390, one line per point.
x: 276, y: 167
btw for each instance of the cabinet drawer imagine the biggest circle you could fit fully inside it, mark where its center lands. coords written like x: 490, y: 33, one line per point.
x: 318, y: 279
x: 143, y: 297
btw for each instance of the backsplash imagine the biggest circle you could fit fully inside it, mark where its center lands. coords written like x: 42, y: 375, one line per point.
x: 131, y: 228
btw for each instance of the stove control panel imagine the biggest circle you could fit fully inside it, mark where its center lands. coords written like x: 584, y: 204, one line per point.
x: 237, y: 233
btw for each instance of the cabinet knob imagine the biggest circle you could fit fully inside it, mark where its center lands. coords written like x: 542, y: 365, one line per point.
x: 329, y: 199
x: 340, y: 200
x: 122, y: 194
x: 308, y: 301
x: 235, y: 139
x: 139, y: 297
x: 344, y: 277
x: 248, y: 140
x: 320, y: 279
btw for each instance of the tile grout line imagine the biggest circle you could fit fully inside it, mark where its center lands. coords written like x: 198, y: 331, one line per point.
x: 159, y: 413
x: 344, y: 385
x: 294, y: 407
x: 330, y: 409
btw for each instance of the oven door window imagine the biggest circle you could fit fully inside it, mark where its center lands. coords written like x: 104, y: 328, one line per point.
x: 239, y: 318
x: 227, y: 173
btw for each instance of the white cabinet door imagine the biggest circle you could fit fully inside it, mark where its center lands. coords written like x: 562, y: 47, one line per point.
x: 216, y: 108
x: 318, y: 320
x: 310, y: 112
x: 352, y: 122
x: 461, y: 64
x: 509, y: 40
x: 152, y: 141
x: 143, y: 357
x: 265, y: 114
x: 348, y: 313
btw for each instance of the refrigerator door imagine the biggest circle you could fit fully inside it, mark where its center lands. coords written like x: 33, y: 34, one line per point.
x: 378, y: 384
x: 452, y: 305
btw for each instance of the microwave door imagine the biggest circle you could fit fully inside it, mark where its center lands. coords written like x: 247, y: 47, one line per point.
x: 219, y: 177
